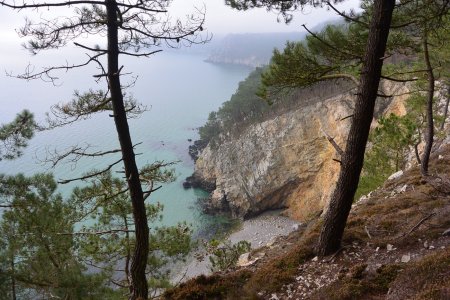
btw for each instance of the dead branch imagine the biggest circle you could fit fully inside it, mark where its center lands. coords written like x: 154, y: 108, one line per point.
x: 367, y: 231
x: 418, y: 224
x: 347, y: 117
x: 347, y: 17
x: 94, y: 232
x: 333, y: 143
x: 90, y: 175
x: 398, y: 79
x: 335, y: 254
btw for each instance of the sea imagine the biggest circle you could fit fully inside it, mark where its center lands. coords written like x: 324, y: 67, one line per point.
x: 178, y: 89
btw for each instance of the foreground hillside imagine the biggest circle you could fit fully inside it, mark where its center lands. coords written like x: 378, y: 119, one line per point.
x: 396, y: 246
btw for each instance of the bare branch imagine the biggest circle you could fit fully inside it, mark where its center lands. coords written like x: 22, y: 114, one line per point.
x: 147, y: 54
x: 46, y: 4
x: 346, y: 117
x: 90, y: 175
x: 95, y: 232
x: 418, y: 224
x: 398, y: 79
x: 347, y: 17
x: 76, y: 153
x: 90, y: 48
x: 333, y: 143
x: 46, y: 74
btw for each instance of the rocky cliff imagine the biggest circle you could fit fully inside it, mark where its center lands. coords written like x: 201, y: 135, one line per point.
x: 283, y: 162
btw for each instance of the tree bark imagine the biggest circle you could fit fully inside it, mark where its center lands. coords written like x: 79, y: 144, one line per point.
x: 352, y: 161
x: 447, y: 102
x: 13, y: 279
x: 429, y: 136
x: 139, y: 287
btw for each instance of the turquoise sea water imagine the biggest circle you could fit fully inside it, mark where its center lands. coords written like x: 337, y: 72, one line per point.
x: 178, y: 89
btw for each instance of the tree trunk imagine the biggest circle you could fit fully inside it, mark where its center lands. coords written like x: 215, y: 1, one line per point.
x: 429, y: 136
x: 447, y: 102
x: 139, y: 288
x: 352, y: 161
x: 13, y: 279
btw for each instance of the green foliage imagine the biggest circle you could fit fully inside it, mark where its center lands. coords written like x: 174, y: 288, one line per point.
x: 243, y: 107
x: 84, y: 105
x: 38, y: 249
x: 335, y: 52
x: 390, y: 142
x: 14, y: 135
x: 225, y: 255
x: 305, y: 63
x: 43, y: 253
x: 108, y: 231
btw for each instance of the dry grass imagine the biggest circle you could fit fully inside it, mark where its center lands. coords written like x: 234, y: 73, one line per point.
x: 358, y: 284
x: 426, y: 279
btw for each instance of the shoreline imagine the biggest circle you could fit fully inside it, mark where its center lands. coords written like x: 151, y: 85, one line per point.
x: 260, y: 231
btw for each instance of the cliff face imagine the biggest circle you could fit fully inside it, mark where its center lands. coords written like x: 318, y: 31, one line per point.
x: 286, y: 161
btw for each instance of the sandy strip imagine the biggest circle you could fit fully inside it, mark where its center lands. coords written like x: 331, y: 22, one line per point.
x: 258, y: 231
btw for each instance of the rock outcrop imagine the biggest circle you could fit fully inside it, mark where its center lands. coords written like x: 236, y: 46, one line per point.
x: 283, y: 162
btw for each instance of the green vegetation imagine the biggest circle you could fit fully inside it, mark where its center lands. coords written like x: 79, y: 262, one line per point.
x: 38, y: 250
x: 391, y: 142
x: 106, y: 31
x: 243, y: 107
x: 107, y: 242
x: 247, y: 107
x: 14, y: 135
x: 42, y: 253
x: 224, y: 255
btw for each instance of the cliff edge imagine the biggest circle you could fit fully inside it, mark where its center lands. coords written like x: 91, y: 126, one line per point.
x: 283, y: 162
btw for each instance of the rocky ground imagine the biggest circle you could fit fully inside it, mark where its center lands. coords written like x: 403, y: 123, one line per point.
x: 259, y: 231
x: 396, y: 246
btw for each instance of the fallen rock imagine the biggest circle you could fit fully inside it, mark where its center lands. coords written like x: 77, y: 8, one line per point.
x: 274, y: 297
x: 406, y: 258
x: 244, y: 260
x: 271, y: 242
x: 395, y: 175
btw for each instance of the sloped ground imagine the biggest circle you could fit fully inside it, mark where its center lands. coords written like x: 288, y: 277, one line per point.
x: 394, y: 247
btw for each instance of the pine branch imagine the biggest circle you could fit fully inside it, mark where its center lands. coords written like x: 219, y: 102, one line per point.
x: 331, y: 46
x: 347, y: 17
x: 90, y: 175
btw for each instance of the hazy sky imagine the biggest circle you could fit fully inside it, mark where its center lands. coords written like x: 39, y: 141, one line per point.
x: 220, y: 19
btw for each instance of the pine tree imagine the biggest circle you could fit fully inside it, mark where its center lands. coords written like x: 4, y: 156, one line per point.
x: 135, y: 28
x: 38, y: 253
x: 14, y: 135
x: 337, y: 54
